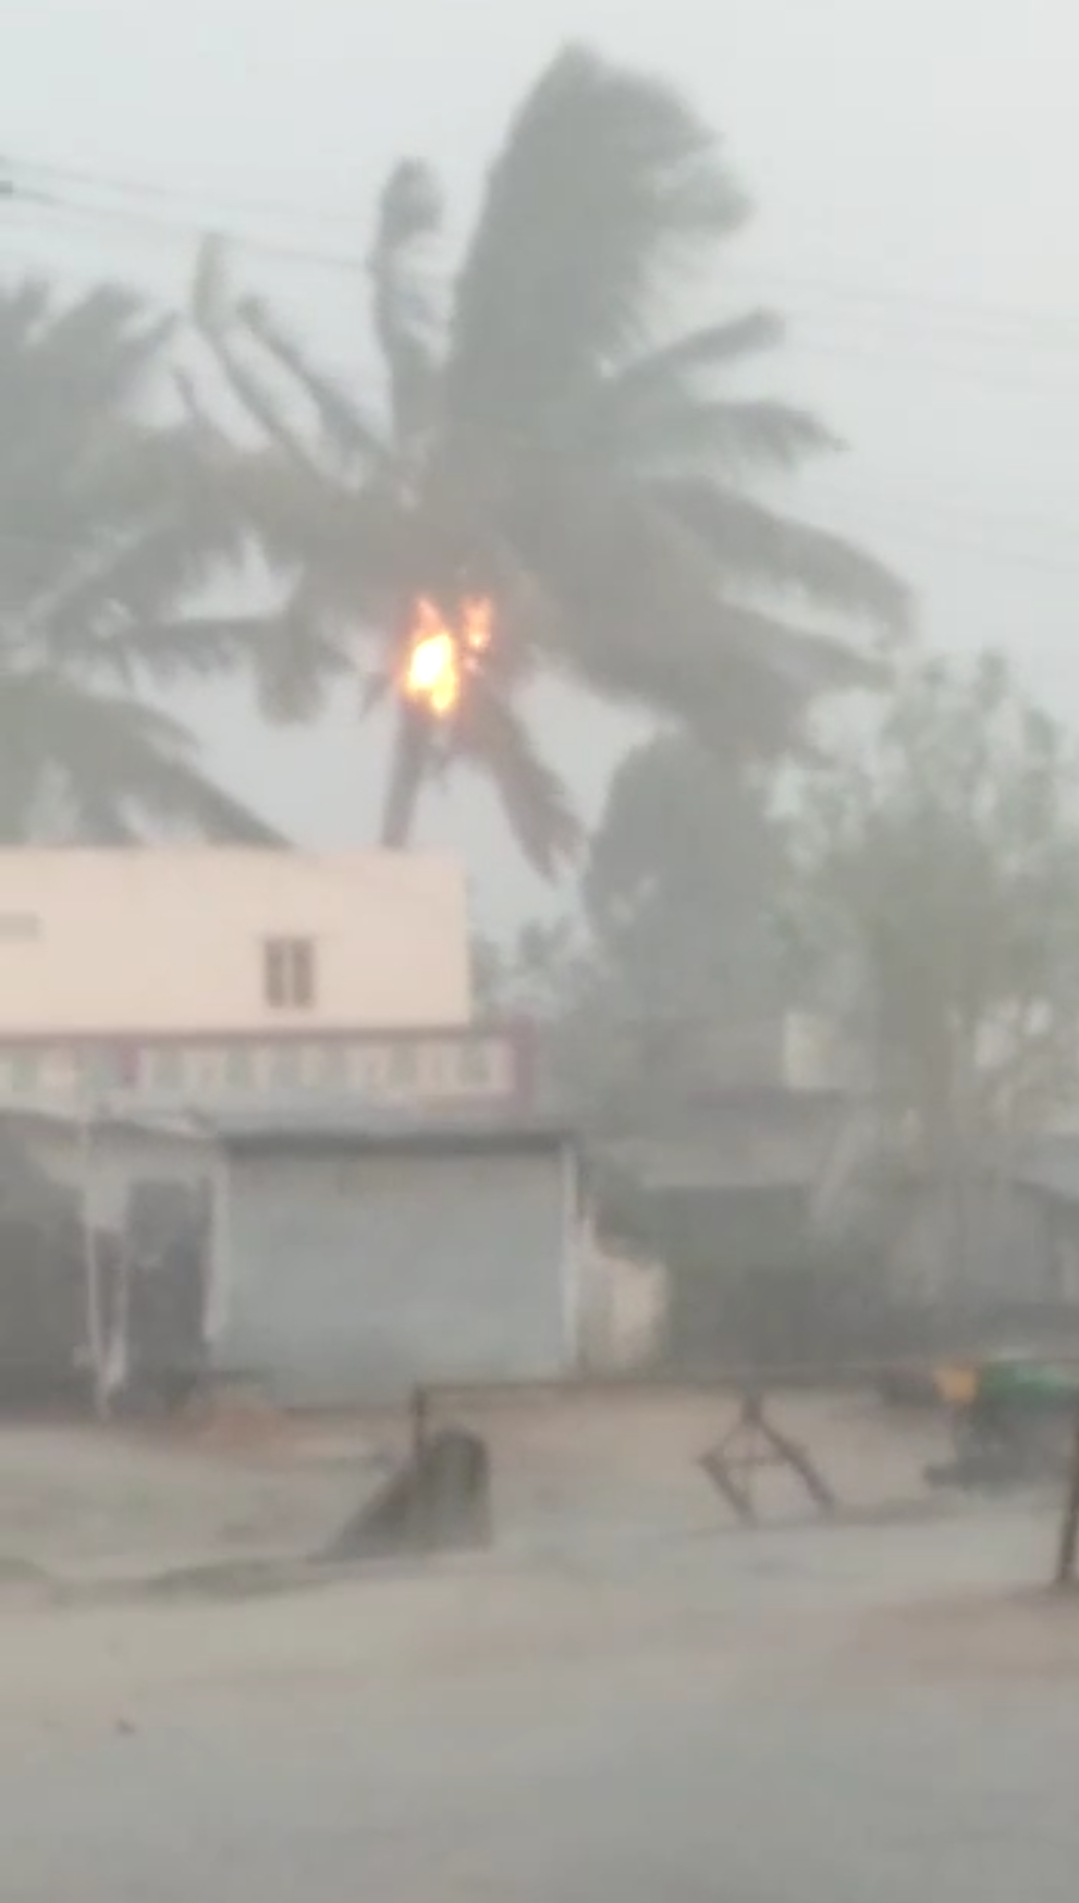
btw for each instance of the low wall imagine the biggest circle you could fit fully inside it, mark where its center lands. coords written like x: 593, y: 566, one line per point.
x: 624, y: 1320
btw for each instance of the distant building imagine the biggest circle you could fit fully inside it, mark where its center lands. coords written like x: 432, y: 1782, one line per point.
x: 195, y: 975
x: 327, y: 1256
x: 745, y: 1194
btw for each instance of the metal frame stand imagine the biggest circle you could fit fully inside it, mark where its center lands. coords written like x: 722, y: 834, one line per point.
x: 754, y: 1441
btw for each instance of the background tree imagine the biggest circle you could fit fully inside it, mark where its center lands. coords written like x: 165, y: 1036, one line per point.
x: 681, y: 883
x: 670, y: 974
x: 538, y: 975
x: 540, y: 440
x: 940, y: 885
x: 107, y: 522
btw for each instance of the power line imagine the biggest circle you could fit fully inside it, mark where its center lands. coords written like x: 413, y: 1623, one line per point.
x: 1053, y: 332
x: 1065, y: 327
x: 874, y: 521
x: 172, y: 225
x: 156, y: 192
x: 904, y: 354
x: 167, y: 226
x: 958, y: 509
x: 843, y: 289
x: 909, y: 362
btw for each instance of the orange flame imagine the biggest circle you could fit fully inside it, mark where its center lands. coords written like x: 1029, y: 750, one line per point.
x: 438, y: 658
x: 477, y: 618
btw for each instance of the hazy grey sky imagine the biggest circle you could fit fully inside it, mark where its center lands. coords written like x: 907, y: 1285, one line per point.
x: 915, y: 166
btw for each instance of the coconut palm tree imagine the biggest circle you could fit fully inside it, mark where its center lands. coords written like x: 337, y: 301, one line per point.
x: 539, y: 439
x: 106, y: 523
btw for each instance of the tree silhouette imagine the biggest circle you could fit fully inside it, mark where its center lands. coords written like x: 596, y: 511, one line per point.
x: 537, y: 437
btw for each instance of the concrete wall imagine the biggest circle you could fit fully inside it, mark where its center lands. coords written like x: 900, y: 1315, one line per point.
x: 172, y: 940
x: 624, y: 1310
x: 349, y: 1278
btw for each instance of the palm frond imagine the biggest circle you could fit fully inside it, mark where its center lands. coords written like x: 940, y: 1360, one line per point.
x: 639, y: 618
x: 172, y: 794
x: 154, y: 525
x: 110, y: 753
x: 299, y: 655
x: 546, y: 446
x: 410, y: 210
x: 166, y: 652
x: 210, y: 299
x: 405, y: 319
x: 607, y: 188
x: 663, y: 411
x: 752, y: 546
x: 68, y: 387
x: 108, y: 524
x: 740, y: 702
x: 491, y: 736
x: 358, y: 538
x: 700, y: 353
x: 800, y: 661
x: 678, y: 433
x: 354, y: 436
x: 23, y: 306
x: 197, y: 413
x: 213, y: 312
x: 97, y: 348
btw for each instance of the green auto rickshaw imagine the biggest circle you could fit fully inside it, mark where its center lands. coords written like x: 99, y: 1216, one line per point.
x: 1013, y: 1416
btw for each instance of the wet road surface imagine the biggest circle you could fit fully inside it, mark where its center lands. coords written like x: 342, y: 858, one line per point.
x: 752, y: 1753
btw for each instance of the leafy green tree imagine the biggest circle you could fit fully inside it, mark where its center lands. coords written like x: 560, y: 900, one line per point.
x: 106, y: 525
x: 671, y: 972
x: 681, y: 885
x: 540, y: 975
x: 940, y: 878
x: 540, y: 438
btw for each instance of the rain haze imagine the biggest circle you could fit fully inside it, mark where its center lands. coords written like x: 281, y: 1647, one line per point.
x: 582, y: 1408
x: 913, y: 171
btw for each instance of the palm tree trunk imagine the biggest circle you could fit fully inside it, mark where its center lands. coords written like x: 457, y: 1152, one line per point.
x: 406, y: 777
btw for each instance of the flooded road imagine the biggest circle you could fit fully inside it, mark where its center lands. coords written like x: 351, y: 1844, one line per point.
x: 843, y: 1716
x: 800, y: 1797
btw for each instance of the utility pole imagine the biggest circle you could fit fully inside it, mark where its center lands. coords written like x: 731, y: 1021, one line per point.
x: 1068, y: 1550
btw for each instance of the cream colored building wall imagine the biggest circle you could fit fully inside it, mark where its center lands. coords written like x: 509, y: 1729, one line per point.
x: 172, y: 940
